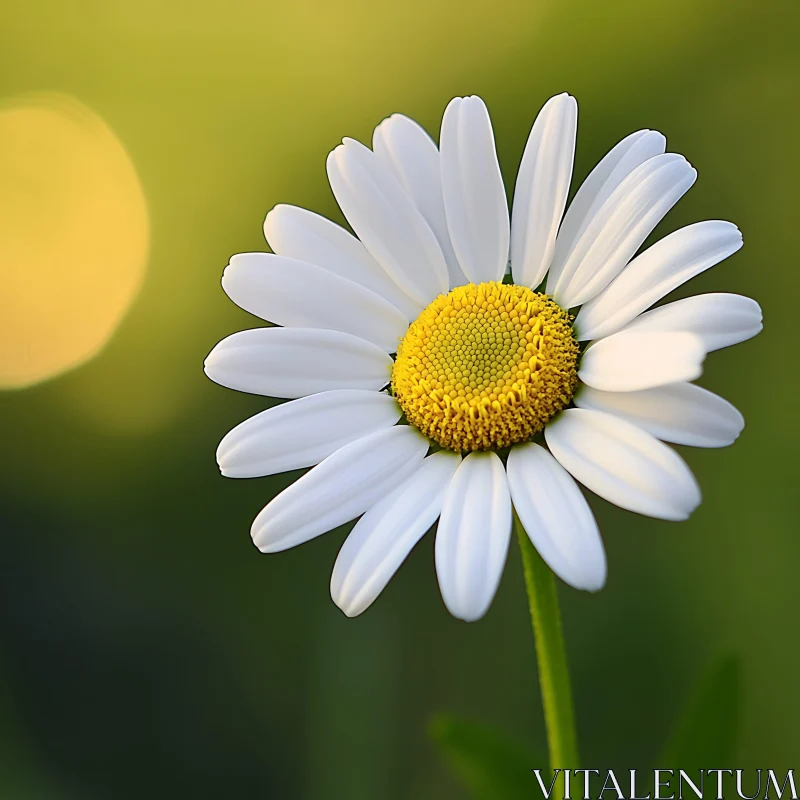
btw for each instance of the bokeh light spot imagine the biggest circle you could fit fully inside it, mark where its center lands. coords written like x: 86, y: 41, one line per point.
x: 73, y: 236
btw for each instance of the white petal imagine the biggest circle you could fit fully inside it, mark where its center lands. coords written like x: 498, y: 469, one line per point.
x: 303, y: 432
x: 474, y: 197
x: 655, y: 273
x: 615, y: 166
x: 301, y: 234
x: 619, y: 227
x: 623, y: 464
x: 294, y: 362
x: 628, y: 362
x: 556, y: 517
x: 386, y: 534
x: 387, y: 221
x: 339, y: 489
x: 719, y: 319
x: 296, y: 294
x: 681, y: 413
x: 412, y: 155
x: 540, y: 194
x: 473, y: 535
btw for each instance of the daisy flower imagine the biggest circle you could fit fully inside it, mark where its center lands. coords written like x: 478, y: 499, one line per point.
x: 425, y: 383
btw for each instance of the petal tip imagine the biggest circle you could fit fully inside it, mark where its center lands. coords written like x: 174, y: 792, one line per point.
x: 468, y: 616
x: 271, y: 219
x: 208, y: 366
x: 476, y: 100
x: 332, y: 162
x: 346, y: 605
x: 593, y: 584
x: 259, y: 532
x: 261, y: 540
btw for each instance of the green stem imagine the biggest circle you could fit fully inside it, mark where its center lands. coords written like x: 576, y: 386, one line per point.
x: 559, y: 714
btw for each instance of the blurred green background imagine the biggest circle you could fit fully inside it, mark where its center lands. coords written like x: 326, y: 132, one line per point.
x: 147, y: 649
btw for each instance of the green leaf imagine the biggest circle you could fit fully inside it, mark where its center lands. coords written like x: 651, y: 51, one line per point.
x: 492, y: 765
x: 706, y: 733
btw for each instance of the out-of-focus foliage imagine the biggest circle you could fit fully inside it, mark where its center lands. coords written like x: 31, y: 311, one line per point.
x: 489, y: 763
x: 707, y: 731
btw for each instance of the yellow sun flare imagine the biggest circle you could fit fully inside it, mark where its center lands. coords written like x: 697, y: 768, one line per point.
x: 73, y: 236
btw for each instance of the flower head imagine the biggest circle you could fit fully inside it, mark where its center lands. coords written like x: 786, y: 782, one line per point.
x: 486, y: 366
x: 426, y: 383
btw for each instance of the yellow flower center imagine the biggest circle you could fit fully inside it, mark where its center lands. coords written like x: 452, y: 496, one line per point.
x: 486, y: 366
